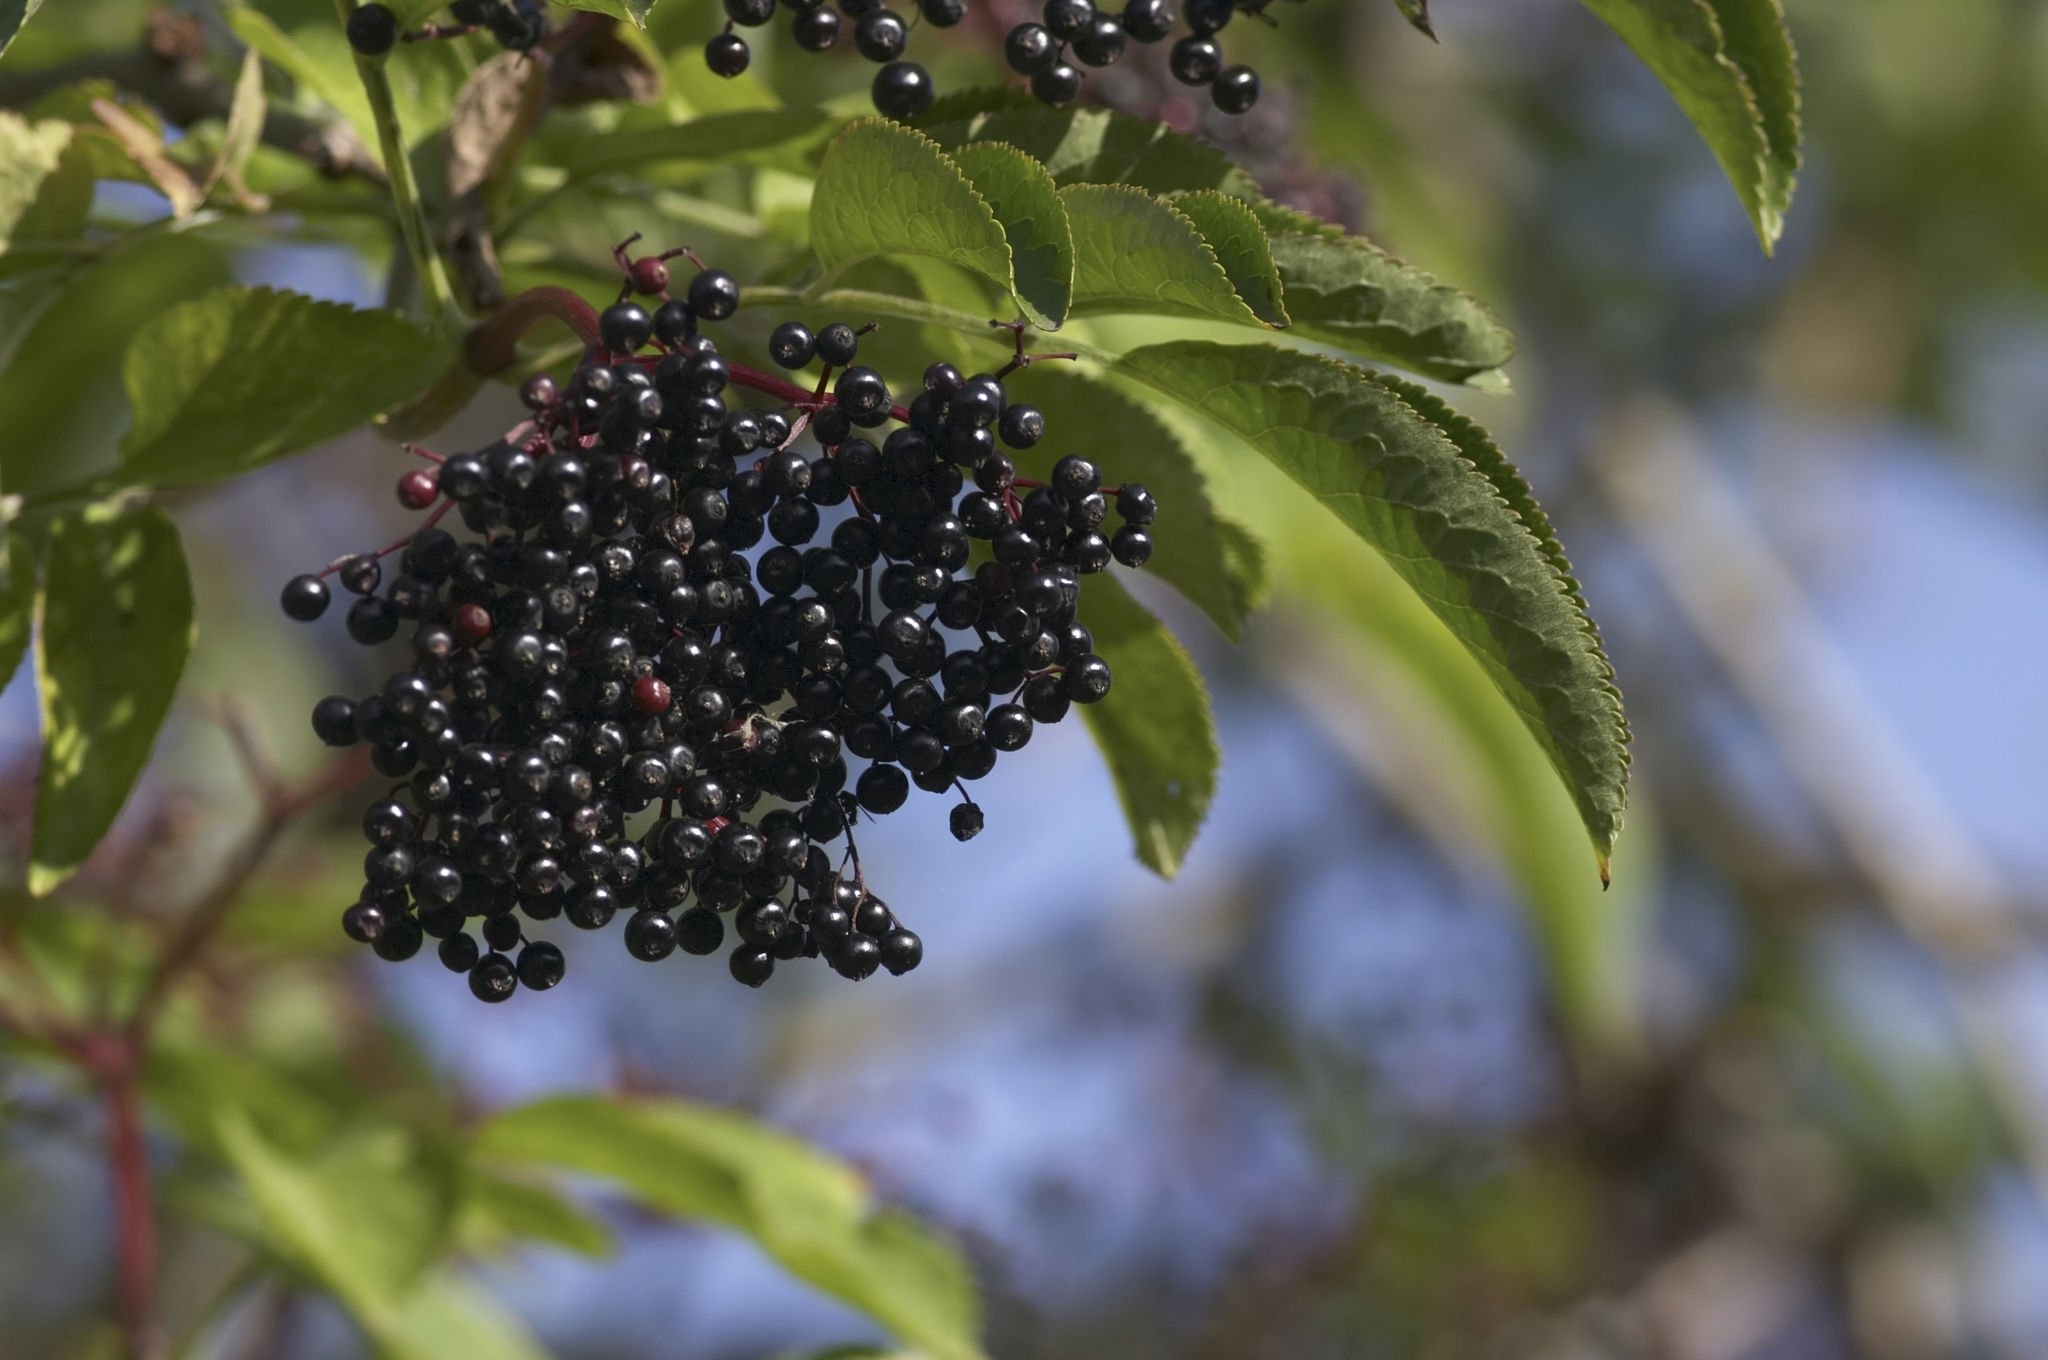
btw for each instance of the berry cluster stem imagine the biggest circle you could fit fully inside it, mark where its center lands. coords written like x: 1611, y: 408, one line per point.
x: 405, y: 194
x: 493, y: 346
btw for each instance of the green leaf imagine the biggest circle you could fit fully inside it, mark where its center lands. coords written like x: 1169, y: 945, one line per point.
x: 29, y: 155
x: 633, y: 12
x: 813, y: 1215
x: 1405, y: 486
x: 17, y: 601
x: 1027, y: 203
x: 1137, y: 253
x: 743, y: 137
x: 332, y: 81
x: 1447, y: 726
x: 501, y: 1209
x: 46, y: 189
x: 363, y: 1221
x: 884, y: 189
x: 13, y: 14
x: 57, y: 388
x: 229, y: 381
x: 1346, y: 292
x: 1233, y: 231
x: 115, y: 628
x: 1155, y: 729
x: 1091, y: 146
x: 449, y: 1316
x: 1195, y: 555
x: 1731, y: 66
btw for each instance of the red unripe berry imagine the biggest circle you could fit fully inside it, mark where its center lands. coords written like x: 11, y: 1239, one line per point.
x: 650, y: 696
x: 418, y: 489
x: 650, y: 276
x: 471, y: 624
x: 538, y: 391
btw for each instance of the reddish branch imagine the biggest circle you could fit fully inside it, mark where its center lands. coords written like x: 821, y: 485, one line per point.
x: 114, y: 1054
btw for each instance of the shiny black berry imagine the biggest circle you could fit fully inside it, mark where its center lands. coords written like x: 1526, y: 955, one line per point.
x: 493, y: 979
x: 372, y: 30
x: 728, y: 55
x: 305, y: 598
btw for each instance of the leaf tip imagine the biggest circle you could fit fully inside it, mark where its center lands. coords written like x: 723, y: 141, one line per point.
x: 44, y: 879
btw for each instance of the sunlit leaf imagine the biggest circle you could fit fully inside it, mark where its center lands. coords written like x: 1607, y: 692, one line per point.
x: 13, y: 14
x: 1403, y: 485
x: 1079, y: 145
x: 364, y: 1219
x: 884, y: 189
x: 1137, y: 253
x: 1027, y: 204
x: 811, y: 1214
x: 1730, y: 65
x: 29, y: 155
x: 241, y: 376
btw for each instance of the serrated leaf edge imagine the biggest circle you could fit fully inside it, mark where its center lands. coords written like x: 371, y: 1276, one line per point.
x: 1294, y: 222
x: 1009, y: 256
x: 1037, y: 317
x: 1478, y: 448
x: 1207, y: 250
x: 1280, y: 293
x: 1562, y: 582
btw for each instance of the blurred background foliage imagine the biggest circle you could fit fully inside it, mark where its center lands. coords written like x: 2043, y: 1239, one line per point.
x: 1384, y: 1073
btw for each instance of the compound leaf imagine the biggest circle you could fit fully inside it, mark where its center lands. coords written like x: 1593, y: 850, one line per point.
x: 1234, y: 232
x: 1346, y: 292
x: 1404, y: 485
x: 1137, y: 253
x: 884, y: 189
x: 1027, y: 203
x: 1087, y: 146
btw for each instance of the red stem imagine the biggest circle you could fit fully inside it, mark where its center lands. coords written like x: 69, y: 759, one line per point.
x: 134, y: 1207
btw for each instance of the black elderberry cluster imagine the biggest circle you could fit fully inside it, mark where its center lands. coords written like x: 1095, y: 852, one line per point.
x: 1071, y: 32
x: 902, y: 89
x: 517, y: 25
x: 1078, y: 30
x: 681, y: 657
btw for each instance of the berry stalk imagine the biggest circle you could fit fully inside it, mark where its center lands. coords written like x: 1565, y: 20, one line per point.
x: 493, y: 346
x: 405, y: 195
